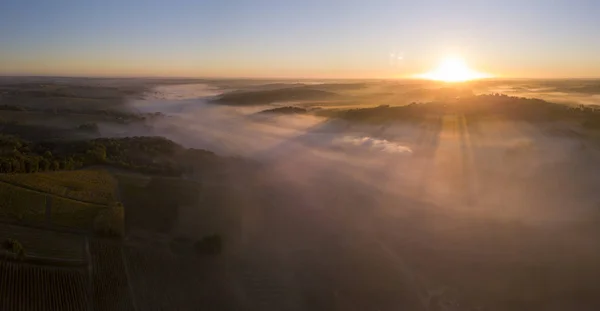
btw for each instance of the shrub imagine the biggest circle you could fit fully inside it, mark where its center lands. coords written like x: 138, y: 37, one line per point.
x: 14, y: 247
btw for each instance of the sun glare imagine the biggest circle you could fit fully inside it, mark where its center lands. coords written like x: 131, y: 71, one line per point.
x: 453, y: 69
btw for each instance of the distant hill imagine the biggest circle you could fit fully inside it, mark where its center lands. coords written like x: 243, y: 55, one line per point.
x: 264, y: 97
x: 477, y: 107
x: 285, y: 110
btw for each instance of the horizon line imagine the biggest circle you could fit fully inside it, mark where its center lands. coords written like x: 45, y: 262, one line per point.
x: 281, y: 78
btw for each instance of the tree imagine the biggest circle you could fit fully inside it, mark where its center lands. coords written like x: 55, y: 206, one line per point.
x: 97, y: 154
x: 44, y: 164
x: 16, y: 166
x: 14, y: 247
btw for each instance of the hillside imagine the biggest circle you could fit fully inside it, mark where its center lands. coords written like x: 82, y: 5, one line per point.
x: 264, y: 97
x: 285, y: 110
x: 479, y: 107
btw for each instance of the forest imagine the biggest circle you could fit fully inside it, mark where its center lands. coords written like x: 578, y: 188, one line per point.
x: 151, y: 155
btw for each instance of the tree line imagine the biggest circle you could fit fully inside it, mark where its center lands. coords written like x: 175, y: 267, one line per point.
x: 153, y: 155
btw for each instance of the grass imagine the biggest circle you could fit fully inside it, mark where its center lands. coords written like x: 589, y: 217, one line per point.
x: 22, y: 204
x: 92, y: 186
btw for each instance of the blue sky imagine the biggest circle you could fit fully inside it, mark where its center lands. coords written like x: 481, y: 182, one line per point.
x: 298, y: 38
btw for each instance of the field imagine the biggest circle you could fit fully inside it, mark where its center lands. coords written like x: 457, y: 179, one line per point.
x: 74, y: 214
x: 22, y: 204
x: 68, y: 286
x: 109, y: 278
x: 32, y: 288
x: 162, y: 281
x: 44, y: 244
x: 92, y: 186
x: 68, y: 199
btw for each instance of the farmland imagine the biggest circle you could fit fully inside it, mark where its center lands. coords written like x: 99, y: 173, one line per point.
x: 32, y: 288
x: 22, y: 204
x: 70, y: 199
x: 74, y: 214
x: 93, y: 186
x: 109, y: 278
x: 46, y: 244
x: 162, y: 281
x: 61, y: 220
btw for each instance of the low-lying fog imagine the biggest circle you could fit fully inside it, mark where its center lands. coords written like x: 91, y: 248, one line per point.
x: 494, y: 215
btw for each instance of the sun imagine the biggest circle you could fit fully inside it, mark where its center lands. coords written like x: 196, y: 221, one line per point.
x: 453, y: 69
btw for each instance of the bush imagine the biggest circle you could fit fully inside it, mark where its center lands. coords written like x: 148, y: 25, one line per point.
x: 14, y: 247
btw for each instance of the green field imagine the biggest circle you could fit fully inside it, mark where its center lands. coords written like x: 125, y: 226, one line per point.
x: 22, y: 204
x: 92, y: 186
x: 84, y: 200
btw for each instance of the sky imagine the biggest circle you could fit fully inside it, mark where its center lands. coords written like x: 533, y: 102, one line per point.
x: 298, y: 39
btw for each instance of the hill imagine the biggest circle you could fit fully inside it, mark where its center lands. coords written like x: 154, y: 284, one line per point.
x: 476, y: 108
x: 264, y: 97
x: 285, y: 110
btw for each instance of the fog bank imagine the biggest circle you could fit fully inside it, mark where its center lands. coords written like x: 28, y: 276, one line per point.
x: 445, y: 210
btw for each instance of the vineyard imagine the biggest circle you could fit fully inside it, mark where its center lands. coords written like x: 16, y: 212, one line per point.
x: 72, y: 199
x: 46, y: 244
x: 93, y: 186
x: 51, y: 285
x: 109, y: 278
x: 68, y: 271
x: 32, y: 288
x: 74, y: 214
x: 163, y: 281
